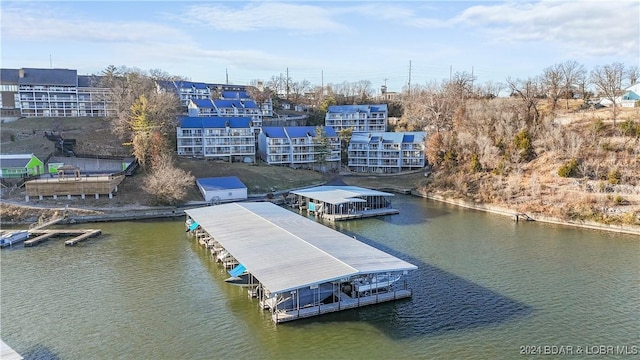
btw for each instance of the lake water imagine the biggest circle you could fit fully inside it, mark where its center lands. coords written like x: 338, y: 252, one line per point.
x: 486, y: 287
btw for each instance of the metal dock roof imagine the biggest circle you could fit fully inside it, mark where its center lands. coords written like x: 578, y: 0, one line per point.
x: 338, y: 194
x: 286, y: 251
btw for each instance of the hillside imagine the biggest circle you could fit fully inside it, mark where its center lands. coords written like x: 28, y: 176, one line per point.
x: 532, y: 187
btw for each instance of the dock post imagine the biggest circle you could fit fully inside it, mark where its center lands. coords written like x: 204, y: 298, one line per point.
x: 82, y: 196
x: 26, y: 198
x: 55, y: 197
x: 97, y: 196
x: 40, y: 197
x: 69, y: 196
x: 110, y: 195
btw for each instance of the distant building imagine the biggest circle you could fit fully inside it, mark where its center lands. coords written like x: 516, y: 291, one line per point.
x: 222, y: 189
x: 386, y: 152
x: 9, y: 98
x: 226, y: 108
x: 228, y: 138
x: 188, y: 90
x: 31, y: 92
x: 367, y: 118
x: 297, y: 147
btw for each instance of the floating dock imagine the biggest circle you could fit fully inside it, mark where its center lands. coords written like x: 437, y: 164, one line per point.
x: 44, y: 235
x: 295, y: 266
x: 336, y: 203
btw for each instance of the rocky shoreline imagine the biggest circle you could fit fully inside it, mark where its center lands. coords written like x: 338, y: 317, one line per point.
x: 633, y: 230
x: 89, y: 215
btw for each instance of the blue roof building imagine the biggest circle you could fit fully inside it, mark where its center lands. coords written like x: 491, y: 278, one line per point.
x: 300, y: 147
x: 215, y: 137
x: 367, y: 118
x: 386, y: 152
x: 222, y: 189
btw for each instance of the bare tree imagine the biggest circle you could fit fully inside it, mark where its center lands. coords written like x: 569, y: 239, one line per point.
x: 298, y: 89
x: 432, y: 106
x: 573, y: 75
x: 529, y: 91
x: 167, y: 183
x: 552, y: 79
x: 633, y: 74
x: 278, y: 84
x: 490, y: 89
x: 364, y: 91
x: 462, y: 84
x: 608, y: 80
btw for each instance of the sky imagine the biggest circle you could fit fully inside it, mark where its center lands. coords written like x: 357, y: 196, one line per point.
x: 385, y: 42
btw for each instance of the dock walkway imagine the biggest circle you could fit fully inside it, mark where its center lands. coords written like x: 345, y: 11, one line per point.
x: 44, y: 235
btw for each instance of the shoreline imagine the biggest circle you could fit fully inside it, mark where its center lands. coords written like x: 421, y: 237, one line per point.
x: 151, y: 213
x: 621, y: 229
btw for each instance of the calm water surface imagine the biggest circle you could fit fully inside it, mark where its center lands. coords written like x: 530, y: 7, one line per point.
x: 485, y: 287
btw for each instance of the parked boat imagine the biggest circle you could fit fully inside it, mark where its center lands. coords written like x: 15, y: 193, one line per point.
x: 13, y: 237
x: 375, y: 282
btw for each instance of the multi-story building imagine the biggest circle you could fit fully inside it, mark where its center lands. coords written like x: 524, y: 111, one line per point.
x: 386, y: 152
x: 9, y: 99
x: 228, y: 138
x: 300, y: 147
x: 224, y: 108
x: 48, y: 92
x: 188, y: 90
x: 361, y: 118
x: 52, y: 92
x: 92, y: 98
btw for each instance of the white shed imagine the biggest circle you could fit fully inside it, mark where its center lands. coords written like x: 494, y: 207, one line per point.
x: 224, y: 189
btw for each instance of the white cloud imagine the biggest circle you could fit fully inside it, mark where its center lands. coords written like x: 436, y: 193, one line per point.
x: 582, y: 27
x: 28, y: 23
x: 264, y: 15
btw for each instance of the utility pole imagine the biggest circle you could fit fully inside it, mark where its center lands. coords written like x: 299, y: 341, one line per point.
x: 227, y: 76
x: 409, y: 91
x: 50, y: 62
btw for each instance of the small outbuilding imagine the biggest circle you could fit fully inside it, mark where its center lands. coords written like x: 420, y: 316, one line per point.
x: 222, y: 189
x: 20, y: 165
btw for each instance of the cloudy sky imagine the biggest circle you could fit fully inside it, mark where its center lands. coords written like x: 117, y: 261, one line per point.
x: 328, y: 41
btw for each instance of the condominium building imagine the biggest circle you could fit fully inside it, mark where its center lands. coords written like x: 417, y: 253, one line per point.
x: 386, y: 152
x: 188, y: 90
x: 226, y: 108
x: 361, y: 118
x: 300, y: 147
x: 228, y: 138
x: 52, y: 92
x: 9, y: 99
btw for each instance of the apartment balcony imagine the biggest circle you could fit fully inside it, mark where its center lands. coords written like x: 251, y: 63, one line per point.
x: 278, y: 159
x: 357, y: 162
x: 271, y: 150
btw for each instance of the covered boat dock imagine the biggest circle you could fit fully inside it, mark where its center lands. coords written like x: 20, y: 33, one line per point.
x: 342, y: 202
x: 295, y: 266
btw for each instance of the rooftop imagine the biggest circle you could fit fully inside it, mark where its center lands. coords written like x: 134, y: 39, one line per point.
x: 286, y: 251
